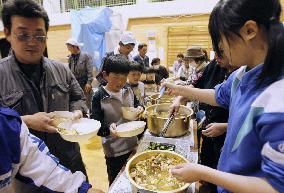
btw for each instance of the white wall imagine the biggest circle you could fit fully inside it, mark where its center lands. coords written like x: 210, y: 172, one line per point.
x: 140, y: 10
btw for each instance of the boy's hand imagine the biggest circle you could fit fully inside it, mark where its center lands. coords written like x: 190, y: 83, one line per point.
x: 112, y: 129
x: 77, y: 114
x: 140, y: 110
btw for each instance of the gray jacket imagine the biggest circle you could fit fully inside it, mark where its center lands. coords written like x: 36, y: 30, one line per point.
x: 59, y: 91
x: 83, y: 70
x: 107, y: 109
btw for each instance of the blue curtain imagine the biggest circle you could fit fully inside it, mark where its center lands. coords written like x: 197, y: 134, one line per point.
x: 88, y: 26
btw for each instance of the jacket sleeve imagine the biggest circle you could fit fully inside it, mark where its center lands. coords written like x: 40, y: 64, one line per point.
x: 89, y: 63
x: 98, y: 114
x: 166, y: 73
x: 147, y: 62
x: 76, y: 96
x: 39, y: 167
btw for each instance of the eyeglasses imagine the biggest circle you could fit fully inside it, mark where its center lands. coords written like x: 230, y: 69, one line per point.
x: 26, y: 37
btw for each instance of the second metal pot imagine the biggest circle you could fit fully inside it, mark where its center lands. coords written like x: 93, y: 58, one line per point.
x: 177, y: 128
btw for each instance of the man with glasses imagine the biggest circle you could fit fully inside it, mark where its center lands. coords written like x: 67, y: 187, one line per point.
x: 36, y: 86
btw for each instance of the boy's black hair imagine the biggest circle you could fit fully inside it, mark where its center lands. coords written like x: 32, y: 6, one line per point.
x: 155, y: 61
x: 117, y: 64
x: 149, y: 70
x: 23, y: 8
x: 140, y: 46
x: 135, y: 66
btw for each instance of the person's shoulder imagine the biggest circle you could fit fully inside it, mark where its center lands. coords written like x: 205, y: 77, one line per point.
x: 164, y: 68
x: 5, y: 62
x: 54, y: 64
x: 271, y: 99
x: 212, y: 64
x: 108, y: 54
x: 136, y: 57
x: 141, y: 84
x: 86, y: 54
x: 100, y: 93
x: 7, y: 112
x: 10, y: 123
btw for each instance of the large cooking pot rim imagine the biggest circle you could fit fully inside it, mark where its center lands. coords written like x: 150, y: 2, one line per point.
x: 165, y: 118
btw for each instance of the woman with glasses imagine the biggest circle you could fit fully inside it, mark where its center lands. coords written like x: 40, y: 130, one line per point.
x: 252, y: 37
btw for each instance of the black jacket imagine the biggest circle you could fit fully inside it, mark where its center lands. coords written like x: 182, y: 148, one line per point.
x: 144, y: 62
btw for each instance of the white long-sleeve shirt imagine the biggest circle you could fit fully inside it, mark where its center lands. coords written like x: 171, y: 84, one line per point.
x: 25, y: 159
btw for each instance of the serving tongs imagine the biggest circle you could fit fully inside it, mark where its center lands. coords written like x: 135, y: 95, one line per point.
x: 167, y: 125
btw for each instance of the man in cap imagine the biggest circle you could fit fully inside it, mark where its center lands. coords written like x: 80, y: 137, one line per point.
x: 81, y: 66
x: 126, y: 44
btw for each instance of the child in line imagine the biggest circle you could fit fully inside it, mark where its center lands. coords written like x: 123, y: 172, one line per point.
x: 134, y: 82
x: 107, y: 103
x: 149, y: 83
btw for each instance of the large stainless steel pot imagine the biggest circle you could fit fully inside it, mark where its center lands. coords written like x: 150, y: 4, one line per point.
x: 177, y: 128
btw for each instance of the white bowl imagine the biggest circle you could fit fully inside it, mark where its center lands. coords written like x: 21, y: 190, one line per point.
x: 130, y: 113
x: 130, y: 129
x: 65, y: 114
x: 61, y: 116
x: 145, y: 155
x: 85, y: 128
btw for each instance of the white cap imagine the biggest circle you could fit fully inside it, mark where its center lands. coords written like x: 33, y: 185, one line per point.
x: 127, y: 38
x: 74, y: 42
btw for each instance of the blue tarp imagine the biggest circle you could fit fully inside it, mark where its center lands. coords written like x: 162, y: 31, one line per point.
x: 88, y: 27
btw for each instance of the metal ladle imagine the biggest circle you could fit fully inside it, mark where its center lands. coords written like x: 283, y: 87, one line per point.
x: 162, y: 91
x: 167, y: 124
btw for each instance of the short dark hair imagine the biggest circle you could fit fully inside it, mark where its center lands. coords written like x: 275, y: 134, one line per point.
x: 117, y: 64
x: 140, y: 46
x: 155, y: 60
x: 180, y: 55
x: 135, y: 66
x: 149, y: 70
x: 23, y: 8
